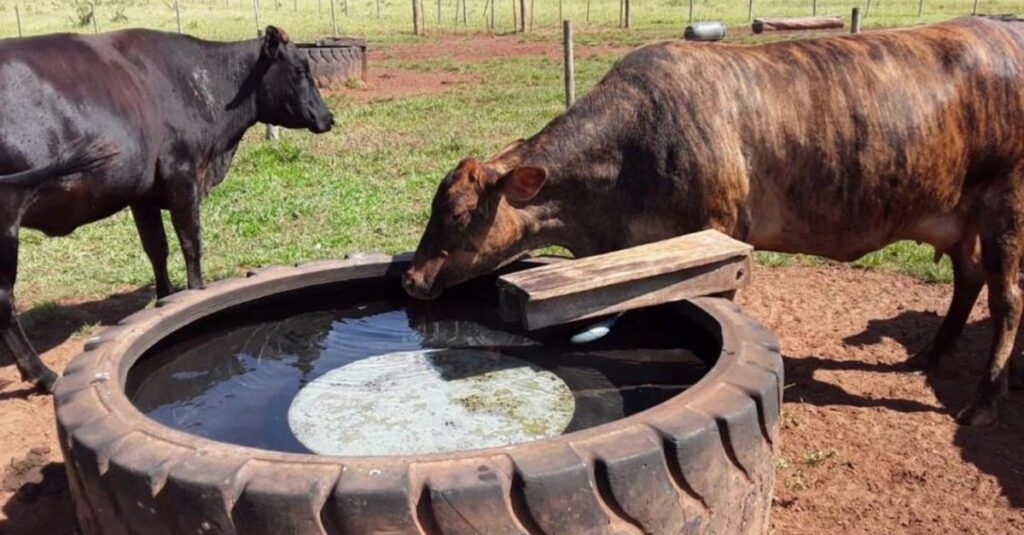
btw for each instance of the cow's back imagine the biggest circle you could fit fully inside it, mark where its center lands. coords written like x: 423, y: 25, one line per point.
x: 837, y: 146
x: 57, y: 89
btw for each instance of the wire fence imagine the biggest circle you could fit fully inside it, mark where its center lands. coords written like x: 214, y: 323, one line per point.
x: 390, y: 20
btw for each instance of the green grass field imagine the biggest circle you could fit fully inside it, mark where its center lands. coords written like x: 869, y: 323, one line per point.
x: 364, y: 186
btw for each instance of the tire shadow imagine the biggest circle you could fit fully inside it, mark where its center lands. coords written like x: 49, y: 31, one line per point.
x: 997, y: 450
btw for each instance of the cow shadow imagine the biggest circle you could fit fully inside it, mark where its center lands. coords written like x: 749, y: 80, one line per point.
x: 997, y: 450
x: 41, y: 504
x: 49, y: 325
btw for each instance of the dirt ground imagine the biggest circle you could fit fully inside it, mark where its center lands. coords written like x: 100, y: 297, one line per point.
x: 867, y: 447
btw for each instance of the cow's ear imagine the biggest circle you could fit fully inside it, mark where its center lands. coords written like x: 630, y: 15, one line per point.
x: 273, y: 39
x: 522, y: 183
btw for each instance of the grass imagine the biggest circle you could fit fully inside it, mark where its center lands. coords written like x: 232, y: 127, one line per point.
x: 308, y: 19
x: 365, y: 186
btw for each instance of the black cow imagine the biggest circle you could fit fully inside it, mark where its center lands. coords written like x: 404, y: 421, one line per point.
x: 151, y: 120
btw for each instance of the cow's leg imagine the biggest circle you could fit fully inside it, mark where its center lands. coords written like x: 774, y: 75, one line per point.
x: 185, y: 217
x: 154, y: 242
x: 1002, y: 239
x: 968, y: 279
x: 29, y: 364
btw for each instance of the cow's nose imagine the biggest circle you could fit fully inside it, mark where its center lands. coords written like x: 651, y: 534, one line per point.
x: 416, y: 286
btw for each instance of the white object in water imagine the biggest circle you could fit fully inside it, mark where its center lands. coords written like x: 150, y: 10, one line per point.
x: 430, y: 401
x: 596, y: 331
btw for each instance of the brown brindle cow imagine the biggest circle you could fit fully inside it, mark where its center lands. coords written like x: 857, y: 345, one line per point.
x: 834, y: 147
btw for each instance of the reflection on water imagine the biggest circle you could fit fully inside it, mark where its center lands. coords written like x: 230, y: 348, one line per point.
x: 233, y: 377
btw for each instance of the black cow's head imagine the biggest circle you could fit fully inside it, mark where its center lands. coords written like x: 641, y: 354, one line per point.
x: 287, y: 95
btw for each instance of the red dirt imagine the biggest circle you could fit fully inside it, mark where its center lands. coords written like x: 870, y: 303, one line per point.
x: 388, y: 83
x: 473, y: 48
x: 867, y: 447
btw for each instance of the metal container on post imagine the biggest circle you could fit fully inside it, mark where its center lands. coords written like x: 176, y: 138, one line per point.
x: 711, y: 30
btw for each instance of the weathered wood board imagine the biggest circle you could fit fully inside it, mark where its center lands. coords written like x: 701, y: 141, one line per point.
x: 702, y: 263
x: 768, y: 24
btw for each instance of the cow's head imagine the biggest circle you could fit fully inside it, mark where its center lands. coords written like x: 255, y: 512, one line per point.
x: 287, y: 95
x: 477, y: 224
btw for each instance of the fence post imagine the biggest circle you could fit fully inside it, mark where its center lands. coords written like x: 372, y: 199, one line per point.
x: 622, y: 8
x: 750, y: 11
x: 522, y: 16
x: 334, y: 20
x: 975, y: 10
x: 515, y: 20
x: 464, y: 23
x: 417, y: 22
x: 177, y: 15
x: 492, y: 14
x: 438, y: 12
x: 17, y: 17
x: 560, y: 17
x: 345, y: 7
x: 814, y: 10
x: 588, y: 10
x: 531, y: 16
x: 691, y: 10
x: 867, y: 10
x: 95, y: 26
x: 920, y: 8
x: 378, y: 8
x: 570, y: 77
x: 629, y: 14
x: 855, y: 20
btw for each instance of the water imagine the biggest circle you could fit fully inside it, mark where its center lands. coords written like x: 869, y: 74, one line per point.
x: 234, y: 376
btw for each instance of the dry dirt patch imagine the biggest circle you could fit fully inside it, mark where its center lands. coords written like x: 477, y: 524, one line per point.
x: 867, y: 447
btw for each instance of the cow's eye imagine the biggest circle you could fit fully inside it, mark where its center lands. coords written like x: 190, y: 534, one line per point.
x: 459, y: 219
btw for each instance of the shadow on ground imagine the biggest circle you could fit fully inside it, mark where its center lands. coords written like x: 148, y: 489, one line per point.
x: 998, y: 450
x: 41, y: 501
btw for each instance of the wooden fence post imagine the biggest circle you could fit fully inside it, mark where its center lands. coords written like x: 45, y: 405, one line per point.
x: 588, y: 10
x: 95, y: 25
x: 17, y: 18
x: 522, y: 16
x: 629, y: 13
x: 344, y: 8
x: 515, y: 20
x: 691, y: 10
x: 814, y: 10
x: 415, y: 17
x: 855, y: 20
x: 750, y: 11
x: 867, y: 10
x: 464, y: 12
x: 975, y: 10
x: 570, y: 67
x: 531, y: 16
x: 334, y: 20
x: 492, y: 14
x: 920, y: 8
x: 177, y: 14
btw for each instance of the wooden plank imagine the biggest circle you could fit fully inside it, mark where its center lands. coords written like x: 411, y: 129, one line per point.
x: 767, y: 24
x: 703, y: 263
x: 617, y: 267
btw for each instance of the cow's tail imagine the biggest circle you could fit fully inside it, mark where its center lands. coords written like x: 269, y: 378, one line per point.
x: 79, y: 157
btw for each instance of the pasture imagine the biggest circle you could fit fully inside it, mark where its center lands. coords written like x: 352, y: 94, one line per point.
x: 868, y: 447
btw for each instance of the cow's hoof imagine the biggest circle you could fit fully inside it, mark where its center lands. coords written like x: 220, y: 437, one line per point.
x: 46, y: 381
x: 978, y: 415
x: 927, y: 359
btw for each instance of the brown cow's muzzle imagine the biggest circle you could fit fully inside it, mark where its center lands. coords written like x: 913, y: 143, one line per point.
x: 420, y: 280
